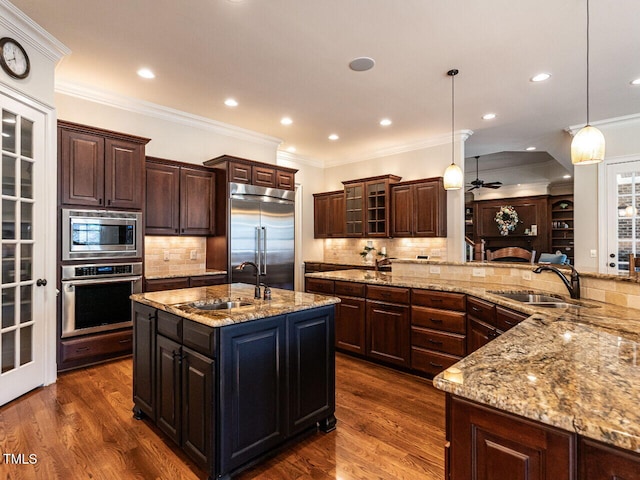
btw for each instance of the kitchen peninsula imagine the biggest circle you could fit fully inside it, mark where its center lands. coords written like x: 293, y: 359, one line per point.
x: 229, y: 377
x: 553, y: 397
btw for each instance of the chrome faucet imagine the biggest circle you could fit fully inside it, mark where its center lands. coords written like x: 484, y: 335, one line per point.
x: 241, y: 267
x: 573, y: 286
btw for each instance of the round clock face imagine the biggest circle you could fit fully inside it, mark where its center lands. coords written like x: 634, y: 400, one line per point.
x: 14, y: 59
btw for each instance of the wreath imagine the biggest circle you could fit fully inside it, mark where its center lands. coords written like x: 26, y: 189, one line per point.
x: 507, y: 219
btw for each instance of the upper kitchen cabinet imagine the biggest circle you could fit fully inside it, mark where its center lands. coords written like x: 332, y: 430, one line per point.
x: 241, y: 170
x: 419, y: 209
x: 328, y: 219
x: 367, y: 206
x: 180, y: 198
x: 100, y: 168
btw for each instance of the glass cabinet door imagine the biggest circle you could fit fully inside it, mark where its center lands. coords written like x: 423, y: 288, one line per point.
x: 354, y: 210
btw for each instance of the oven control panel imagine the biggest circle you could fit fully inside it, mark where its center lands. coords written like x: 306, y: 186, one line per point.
x: 101, y: 270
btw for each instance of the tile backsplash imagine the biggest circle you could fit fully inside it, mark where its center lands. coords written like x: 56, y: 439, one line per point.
x: 178, y: 251
x: 347, y: 250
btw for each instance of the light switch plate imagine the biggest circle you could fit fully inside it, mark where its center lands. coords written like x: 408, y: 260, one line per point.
x: 593, y: 253
x: 193, y: 255
x: 166, y: 255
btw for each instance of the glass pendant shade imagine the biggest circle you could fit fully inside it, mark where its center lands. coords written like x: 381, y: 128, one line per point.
x: 587, y: 146
x: 453, y: 177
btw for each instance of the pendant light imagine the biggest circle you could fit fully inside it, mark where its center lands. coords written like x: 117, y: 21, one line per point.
x: 587, y: 146
x: 453, y: 178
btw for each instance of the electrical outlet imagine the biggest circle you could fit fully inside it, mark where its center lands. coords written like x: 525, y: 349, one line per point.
x: 434, y: 269
x: 526, y: 275
x: 593, y: 253
x: 193, y: 255
x: 166, y: 255
x: 478, y: 272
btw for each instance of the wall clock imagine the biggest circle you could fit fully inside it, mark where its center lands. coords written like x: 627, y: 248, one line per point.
x: 13, y: 58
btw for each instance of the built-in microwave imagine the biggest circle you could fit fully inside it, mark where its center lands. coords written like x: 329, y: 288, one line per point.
x: 100, y: 234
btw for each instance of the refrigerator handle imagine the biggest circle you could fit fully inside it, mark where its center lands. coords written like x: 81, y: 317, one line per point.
x: 264, y: 250
x: 258, y: 254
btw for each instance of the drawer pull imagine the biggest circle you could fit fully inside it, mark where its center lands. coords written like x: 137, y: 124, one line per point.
x: 436, y: 365
x: 436, y: 300
x: 82, y: 349
x: 509, y: 323
x: 476, y: 309
x: 126, y: 340
x: 435, y: 320
x: 435, y: 342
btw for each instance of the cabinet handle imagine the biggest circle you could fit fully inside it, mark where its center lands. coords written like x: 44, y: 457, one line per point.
x: 435, y: 320
x: 509, y: 323
x: 177, y: 231
x: 108, y: 202
x: 82, y: 349
x: 435, y: 342
x: 100, y: 201
x: 126, y: 340
x: 476, y: 309
x: 437, y: 365
x: 436, y: 300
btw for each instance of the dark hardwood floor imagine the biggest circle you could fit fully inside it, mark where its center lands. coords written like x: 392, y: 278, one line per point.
x: 390, y: 426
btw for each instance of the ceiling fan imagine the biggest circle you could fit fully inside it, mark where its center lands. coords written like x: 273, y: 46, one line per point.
x: 477, y: 183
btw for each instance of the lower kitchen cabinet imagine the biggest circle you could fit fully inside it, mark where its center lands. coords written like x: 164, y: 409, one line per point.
x: 388, y: 326
x: 172, y: 283
x: 487, y: 444
x: 144, y: 355
x: 598, y: 461
x: 351, y: 317
x: 86, y: 350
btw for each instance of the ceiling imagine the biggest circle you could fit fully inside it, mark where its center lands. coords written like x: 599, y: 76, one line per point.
x: 290, y: 58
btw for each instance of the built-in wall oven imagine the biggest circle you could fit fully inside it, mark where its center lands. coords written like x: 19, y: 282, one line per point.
x: 95, y: 297
x: 100, y: 234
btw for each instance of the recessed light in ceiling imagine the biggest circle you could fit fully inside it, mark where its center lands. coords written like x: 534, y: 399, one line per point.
x: 566, y: 176
x: 635, y: 82
x: 146, y: 73
x: 541, y: 77
x: 530, y: 149
x: 489, y: 116
x: 231, y: 102
x: 333, y: 136
x: 385, y: 122
x: 361, y: 64
x: 286, y: 121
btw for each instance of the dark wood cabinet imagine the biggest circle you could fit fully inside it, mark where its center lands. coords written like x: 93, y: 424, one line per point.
x: 89, y: 349
x: 506, y: 319
x: 351, y: 317
x: 598, y: 461
x: 481, y: 323
x: 419, y: 209
x: 488, y: 444
x: 144, y: 356
x: 159, y: 284
x: 100, y: 168
x: 388, y: 325
x: 367, y: 209
x: 329, y: 214
x: 206, y: 280
x: 168, y: 387
x: 242, y: 170
x: 561, y: 214
x: 180, y: 199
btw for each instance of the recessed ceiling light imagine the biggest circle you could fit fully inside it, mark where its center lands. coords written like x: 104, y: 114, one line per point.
x: 489, y: 116
x: 291, y: 149
x: 566, y: 176
x: 333, y: 136
x: 530, y: 149
x: 541, y: 77
x: 361, y: 64
x: 231, y: 102
x: 146, y: 73
x: 385, y: 122
x: 635, y: 82
x: 286, y: 121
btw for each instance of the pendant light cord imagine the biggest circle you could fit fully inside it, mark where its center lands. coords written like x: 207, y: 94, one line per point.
x: 587, y: 62
x: 452, y: 73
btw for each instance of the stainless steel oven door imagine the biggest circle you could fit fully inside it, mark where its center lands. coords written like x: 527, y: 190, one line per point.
x: 97, y: 304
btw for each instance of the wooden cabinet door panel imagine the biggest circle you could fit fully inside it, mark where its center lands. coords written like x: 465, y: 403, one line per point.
x: 285, y: 180
x: 431, y: 362
x: 239, y: 172
x: 320, y: 216
x: 319, y: 285
x: 196, y: 202
x: 252, y: 366
x: 263, y: 176
x: 482, y: 310
x: 335, y: 216
x: 124, y: 167
x: 429, y: 218
x: 506, y: 319
x: 168, y: 391
x: 82, y: 163
x: 198, y: 407
x: 479, y: 334
x: 603, y: 462
x: 349, y: 289
x: 144, y: 353
x: 451, y: 343
x: 162, y: 216
x: 350, y: 325
x: 388, y: 294
x: 311, y: 364
x: 443, y: 300
x: 437, y: 319
x: 402, y: 216
x: 388, y: 333
x: 487, y: 445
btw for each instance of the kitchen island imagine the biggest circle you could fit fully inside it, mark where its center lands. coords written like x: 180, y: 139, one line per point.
x: 556, y: 396
x: 230, y: 378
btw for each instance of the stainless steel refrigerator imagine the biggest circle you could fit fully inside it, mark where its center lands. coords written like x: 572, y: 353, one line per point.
x: 261, y: 226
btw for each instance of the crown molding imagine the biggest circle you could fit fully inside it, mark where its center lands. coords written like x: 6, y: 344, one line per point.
x: 608, y: 121
x: 460, y: 135
x: 27, y: 31
x: 161, y: 112
x: 292, y: 157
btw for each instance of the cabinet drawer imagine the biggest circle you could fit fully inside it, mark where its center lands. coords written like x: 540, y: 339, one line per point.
x: 169, y: 325
x: 431, y: 362
x: 206, y: 280
x: 109, y: 344
x: 311, y: 267
x: 439, y: 319
x: 318, y: 285
x: 451, y: 343
x: 505, y: 318
x: 388, y: 294
x: 482, y: 310
x: 349, y: 289
x: 159, y: 284
x: 199, y: 337
x: 444, y: 300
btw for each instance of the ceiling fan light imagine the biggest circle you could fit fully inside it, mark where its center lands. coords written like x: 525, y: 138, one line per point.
x: 453, y: 177
x: 587, y: 146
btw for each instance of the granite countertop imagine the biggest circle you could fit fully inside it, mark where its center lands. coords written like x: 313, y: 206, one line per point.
x: 186, y: 274
x: 573, y: 368
x: 282, y: 301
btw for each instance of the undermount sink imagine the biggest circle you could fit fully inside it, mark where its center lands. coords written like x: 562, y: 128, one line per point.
x: 223, y: 304
x: 538, y: 299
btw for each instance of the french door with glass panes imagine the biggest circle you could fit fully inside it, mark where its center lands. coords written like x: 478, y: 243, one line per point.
x: 22, y: 362
x: 623, y: 219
